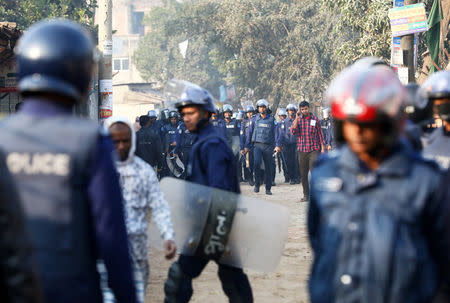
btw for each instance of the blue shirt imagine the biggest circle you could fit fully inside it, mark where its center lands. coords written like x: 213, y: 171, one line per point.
x: 211, y: 162
x: 107, y: 208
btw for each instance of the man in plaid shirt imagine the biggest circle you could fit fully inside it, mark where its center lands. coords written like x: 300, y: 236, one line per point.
x: 310, y: 143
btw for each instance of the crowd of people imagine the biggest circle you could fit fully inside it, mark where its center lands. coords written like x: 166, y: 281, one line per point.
x: 76, y: 198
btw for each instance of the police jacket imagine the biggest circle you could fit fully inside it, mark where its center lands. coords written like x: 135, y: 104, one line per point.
x: 169, y: 134
x: 328, y: 133
x: 437, y: 147
x: 377, y: 236
x: 219, y: 125
x: 63, y: 169
x: 211, y: 162
x: 289, y: 138
x: 184, y: 138
x: 263, y: 130
x: 18, y: 282
x: 149, y: 146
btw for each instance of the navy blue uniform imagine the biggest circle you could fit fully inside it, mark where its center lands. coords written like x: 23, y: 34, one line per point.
x: 219, y: 125
x: 93, y: 212
x: 184, y: 139
x: 248, y: 171
x: 377, y: 235
x: 211, y: 164
x: 290, y: 152
x: 264, y: 137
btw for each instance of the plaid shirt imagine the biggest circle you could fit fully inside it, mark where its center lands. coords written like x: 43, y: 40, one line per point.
x: 309, y: 134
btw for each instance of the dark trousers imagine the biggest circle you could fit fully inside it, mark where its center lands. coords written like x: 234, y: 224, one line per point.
x: 248, y: 171
x: 234, y: 280
x: 292, y: 164
x: 263, y: 152
x: 306, y: 161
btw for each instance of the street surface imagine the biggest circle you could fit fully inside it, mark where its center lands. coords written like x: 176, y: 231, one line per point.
x: 288, y: 284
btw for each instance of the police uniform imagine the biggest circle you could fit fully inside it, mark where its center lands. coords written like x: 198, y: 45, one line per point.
x: 64, y: 170
x: 327, y: 130
x: 248, y: 171
x: 262, y: 134
x: 185, y: 140
x: 290, y: 152
x: 219, y: 125
x: 437, y: 148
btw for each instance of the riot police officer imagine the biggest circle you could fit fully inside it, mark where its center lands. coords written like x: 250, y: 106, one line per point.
x: 436, y: 90
x: 281, y: 129
x: 170, y: 130
x: 245, y: 124
x: 377, y: 227
x: 218, y: 123
x: 212, y: 164
x: 184, y: 139
x: 232, y: 128
x: 262, y: 134
x: 290, y: 146
x: 64, y: 169
x: 327, y: 129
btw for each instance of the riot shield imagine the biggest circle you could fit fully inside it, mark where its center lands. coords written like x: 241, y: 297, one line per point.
x: 235, y: 145
x: 175, y: 165
x: 232, y: 229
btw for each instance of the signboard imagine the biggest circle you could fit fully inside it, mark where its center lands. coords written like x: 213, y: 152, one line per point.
x: 408, y: 19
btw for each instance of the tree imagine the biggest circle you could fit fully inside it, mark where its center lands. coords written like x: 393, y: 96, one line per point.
x: 280, y: 49
x: 158, y: 57
x: 27, y: 12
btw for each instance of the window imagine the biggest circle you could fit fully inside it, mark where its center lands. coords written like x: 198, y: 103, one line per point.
x: 121, y: 64
x: 116, y: 64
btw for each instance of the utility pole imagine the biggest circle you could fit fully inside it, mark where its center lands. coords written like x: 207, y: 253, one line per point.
x: 407, y: 45
x: 105, y: 96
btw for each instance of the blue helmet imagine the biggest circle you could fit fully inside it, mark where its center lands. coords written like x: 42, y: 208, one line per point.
x: 250, y: 108
x: 227, y: 108
x: 55, y: 56
x: 437, y: 86
x: 152, y: 114
x: 262, y: 102
x: 282, y: 112
x: 291, y: 106
x: 194, y: 95
x: 173, y: 114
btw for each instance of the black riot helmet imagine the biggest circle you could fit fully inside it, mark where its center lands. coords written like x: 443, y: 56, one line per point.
x: 55, y: 56
x: 174, y: 114
x: 437, y: 86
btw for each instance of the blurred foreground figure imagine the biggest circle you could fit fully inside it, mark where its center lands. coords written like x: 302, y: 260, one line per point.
x: 377, y: 225
x: 18, y: 279
x: 436, y: 90
x: 143, y: 198
x: 63, y: 168
x: 211, y: 163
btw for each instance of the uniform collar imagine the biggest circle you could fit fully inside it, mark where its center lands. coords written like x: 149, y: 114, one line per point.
x: 207, y: 130
x: 397, y: 162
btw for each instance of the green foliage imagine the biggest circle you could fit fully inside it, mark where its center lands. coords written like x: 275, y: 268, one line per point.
x: 363, y: 26
x: 27, y: 12
x: 281, y: 49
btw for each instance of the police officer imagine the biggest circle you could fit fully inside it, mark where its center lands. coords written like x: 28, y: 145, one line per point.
x: 377, y: 227
x: 282, y: 130
x: 64, y: 169
x: 184, y: 139
x: 436, y: 90
x: 327, y: 129
x: 211, y: 164
x: 290, y: 146
x: 19, y: 281
x: 149, y: 146
x: 245, y: 124
x: 262, y: 134
x: 170, y: 130
x: 218, y: 123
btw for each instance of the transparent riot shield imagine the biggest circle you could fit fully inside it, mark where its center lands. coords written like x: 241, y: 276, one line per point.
x: 229, y: 228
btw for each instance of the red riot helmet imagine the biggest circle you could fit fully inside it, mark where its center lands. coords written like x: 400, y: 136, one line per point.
x: 367, y: 95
